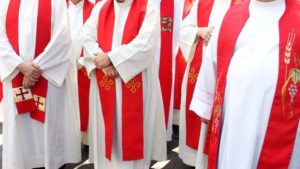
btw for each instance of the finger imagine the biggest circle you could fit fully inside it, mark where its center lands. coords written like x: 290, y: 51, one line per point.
x: 105, y: 72
x: 34, y: 80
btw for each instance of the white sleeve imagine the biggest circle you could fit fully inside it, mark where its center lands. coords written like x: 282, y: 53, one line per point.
x: 9, y: 59
x: 90, y: 36
x: 203, y: 97
x: 56, y: 58
x: 188, y: 32
x: 139, y: 54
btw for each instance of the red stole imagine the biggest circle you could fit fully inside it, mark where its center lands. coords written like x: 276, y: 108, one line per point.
x: 30, y: 100
x: 1, y: 91
x: 83, y: 80
x: 284, y: 118
x: 180, y: 62
x: 132, y: 92
x: 193, y: 122
x: 166, y: 53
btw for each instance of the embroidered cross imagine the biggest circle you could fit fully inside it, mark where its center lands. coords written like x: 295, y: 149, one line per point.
x: 193, y: 76
x: 40, y: 102
x: 166, y: 23
x: 133, y: 85
x: 106, y: 82
x: 21, y: 94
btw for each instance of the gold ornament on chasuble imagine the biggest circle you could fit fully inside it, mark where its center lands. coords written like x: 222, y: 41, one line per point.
x: 193, y: 76
x: 167, y: 25
x: 292, y: 77
x: 22, y: 94
x: 133, y: 85
x: 106, y: 83
x: 217, y: 110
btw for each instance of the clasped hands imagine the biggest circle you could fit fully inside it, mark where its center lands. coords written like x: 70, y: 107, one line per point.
x: 103, y: 62
x: 31, y: 72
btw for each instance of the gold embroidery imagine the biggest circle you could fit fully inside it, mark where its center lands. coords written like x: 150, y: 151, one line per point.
x: 106, y: 82
x: 292, y: 78
x: 133, y: 85
x: 193, y: 76
x: 289, y: 46
x: 22, y: 94
x: 166, y: 23
x: 40, y: 102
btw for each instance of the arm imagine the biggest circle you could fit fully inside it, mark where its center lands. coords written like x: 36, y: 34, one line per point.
x: 138, y: 55
x: 8, y: 57
x: 203, y: 98
x: 91, y: 46
x: 190, y: 33
x: 55, y: 59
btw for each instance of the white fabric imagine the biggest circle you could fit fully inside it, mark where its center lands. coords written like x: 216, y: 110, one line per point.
x: 187, y: 37
x: 26, y: 142
x: 252, y: 75
x: 129, y: 60
x: 76, y: 24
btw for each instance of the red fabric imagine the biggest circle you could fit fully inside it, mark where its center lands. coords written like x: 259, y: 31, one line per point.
x: 166, y: 54
x: 180, y: 64
x: 1, y: 91
x: 179, y: 74
x: 193, y: 121
x: 83, y: 80
x: 132, y: 92
x: 38, y: 93
x: 279, y: 141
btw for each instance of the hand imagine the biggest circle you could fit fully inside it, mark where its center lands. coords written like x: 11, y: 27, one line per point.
x: 110, y: 71
x: 205, y: 33
x: 102, y: 60
x: 27, y: 83
x: 79, y: 66
x: 30, y: 70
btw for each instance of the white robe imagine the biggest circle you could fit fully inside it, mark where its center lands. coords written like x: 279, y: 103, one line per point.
x: 26, y: 142
x: 129, y: 60
x: 178, y: 11
x: 187, y: 37
x: 76, y: 29
x: 251, y: 83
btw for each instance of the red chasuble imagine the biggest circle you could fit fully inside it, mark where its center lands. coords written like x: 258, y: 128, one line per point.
x: 285, y: 113
x: 166, y: 54
x: 30, y: 100
x: 180, y: 62
x: 132, y: 92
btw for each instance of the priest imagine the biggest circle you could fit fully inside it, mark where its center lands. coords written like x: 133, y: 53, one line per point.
x: 40, y: 127
x: 195, y: 34
x: 79, y: 11
x: 248, y: 87
x: 127, y: 120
